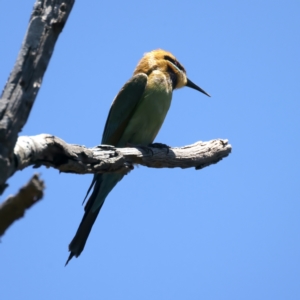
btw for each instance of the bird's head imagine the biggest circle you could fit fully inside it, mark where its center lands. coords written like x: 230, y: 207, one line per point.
x: 167, y: 63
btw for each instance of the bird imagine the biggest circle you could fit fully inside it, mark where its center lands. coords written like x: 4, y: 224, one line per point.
x: 135, y: 117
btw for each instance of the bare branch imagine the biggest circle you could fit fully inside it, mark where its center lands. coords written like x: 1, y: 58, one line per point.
x: 51, y: 151
x: 14, y: 207
x: 46, y: 22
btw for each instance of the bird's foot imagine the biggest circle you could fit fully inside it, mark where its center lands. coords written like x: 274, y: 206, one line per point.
x: 160, y: 146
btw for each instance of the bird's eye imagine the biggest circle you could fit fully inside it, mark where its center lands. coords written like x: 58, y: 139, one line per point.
x: 175, y: 62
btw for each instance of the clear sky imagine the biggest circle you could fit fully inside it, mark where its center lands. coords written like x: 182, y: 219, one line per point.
x: 230, y: 231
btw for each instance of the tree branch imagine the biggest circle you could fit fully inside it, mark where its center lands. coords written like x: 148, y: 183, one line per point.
x: 14, y: 207
x: 46, y: 23
x: 51, y: 151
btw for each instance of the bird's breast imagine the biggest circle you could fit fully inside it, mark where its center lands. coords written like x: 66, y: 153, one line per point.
x: 150, y: 112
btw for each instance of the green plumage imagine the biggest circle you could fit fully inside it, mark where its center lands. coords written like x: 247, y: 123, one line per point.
x: 135, y: 118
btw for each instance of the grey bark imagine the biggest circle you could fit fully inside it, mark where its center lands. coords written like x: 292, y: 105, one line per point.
x: 15, y: 206
x: 51, y: 151
x: 46, y: 23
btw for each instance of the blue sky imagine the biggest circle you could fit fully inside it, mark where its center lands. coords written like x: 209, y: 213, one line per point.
x: 230, y: 231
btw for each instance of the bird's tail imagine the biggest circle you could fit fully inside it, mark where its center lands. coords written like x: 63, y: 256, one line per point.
x: 77, y: 244
x: 104, y: 183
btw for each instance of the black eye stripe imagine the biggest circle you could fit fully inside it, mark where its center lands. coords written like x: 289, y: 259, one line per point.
x: 173, y: 77
x: 175, y: 62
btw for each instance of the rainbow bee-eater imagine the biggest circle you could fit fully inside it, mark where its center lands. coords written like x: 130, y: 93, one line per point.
x: 135, y: 117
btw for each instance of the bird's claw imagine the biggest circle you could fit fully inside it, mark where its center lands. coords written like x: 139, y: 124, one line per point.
x: 160, y: 146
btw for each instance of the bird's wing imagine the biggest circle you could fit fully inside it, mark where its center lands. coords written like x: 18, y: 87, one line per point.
x: 123, y: 108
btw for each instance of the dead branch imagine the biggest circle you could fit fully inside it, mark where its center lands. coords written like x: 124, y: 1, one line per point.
x: 51, y: 151
x: 15, y: 206
x: 46, y: 23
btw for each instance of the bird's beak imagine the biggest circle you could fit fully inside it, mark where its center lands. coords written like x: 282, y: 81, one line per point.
x: 195, y: 87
